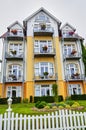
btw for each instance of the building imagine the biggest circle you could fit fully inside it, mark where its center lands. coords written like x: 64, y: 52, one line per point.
x: 41, y: 53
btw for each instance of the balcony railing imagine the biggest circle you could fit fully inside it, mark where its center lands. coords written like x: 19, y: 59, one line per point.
x: 75, y: 77
x: 49, y: 52
x: 13, y: 56
x: 72, y: 56
x: 13, y: 78
x: 70, y: 36
x: 41, y: 77
x: 44, y: 32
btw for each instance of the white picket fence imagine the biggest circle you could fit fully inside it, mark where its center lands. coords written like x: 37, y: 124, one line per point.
x: 59, y: 120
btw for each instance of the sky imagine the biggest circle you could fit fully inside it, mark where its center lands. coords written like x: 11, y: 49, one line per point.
x: 71, y: 11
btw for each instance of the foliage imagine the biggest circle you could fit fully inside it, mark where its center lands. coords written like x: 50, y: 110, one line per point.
x: 55, y: 89
x: 40, y: 104
x: 84, y: 56
x: 14, y: 100
x: 25, y: 100
x: 78, y: 97
x: 48, y: 99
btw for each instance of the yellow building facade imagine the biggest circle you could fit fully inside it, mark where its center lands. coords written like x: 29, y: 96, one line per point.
x: 41, y: 53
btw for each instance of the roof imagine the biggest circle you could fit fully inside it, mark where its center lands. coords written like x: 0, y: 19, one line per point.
x: 4, y: 35
x: 16, y: 22
x: 44, y: 10
x: 67, y: 24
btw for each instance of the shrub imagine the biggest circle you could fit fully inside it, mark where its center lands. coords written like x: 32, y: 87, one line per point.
x: 54, y: 107
x: 60, y: 98
x: 48, y: 99
x: 61, y: 107
x: 25, y: 100
x: 69, y: 102
x: 3, y: 100
x: 67, y: 106
x: 37, y: 103
x: 78, y: 97
x: 31, y: 99
x: 41, y: 104
x: 61, y: 104
x: 47, y: 107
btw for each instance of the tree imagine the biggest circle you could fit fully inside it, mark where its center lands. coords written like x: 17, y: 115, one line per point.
x: 55, y: 91
x: 84, y: 56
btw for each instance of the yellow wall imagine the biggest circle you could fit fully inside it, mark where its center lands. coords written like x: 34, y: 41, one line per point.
x: 1, y: 89
x: 29, y: 59
x: 58, y: 58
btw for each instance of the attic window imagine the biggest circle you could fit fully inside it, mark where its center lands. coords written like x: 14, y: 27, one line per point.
x: 41, y: 18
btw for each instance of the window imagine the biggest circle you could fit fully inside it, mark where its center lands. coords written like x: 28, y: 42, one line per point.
x: 74, y: 89
x: 13, y: 91
x: 38, y: 46
x: 42, y: 18
x: 68, y: 49
x: 72, y: 68
x: 16, y: 47
x: 15, y: 71
x: 43, y: 90
x: 42, y: 67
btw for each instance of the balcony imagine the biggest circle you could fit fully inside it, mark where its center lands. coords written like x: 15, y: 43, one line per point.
x: 73, y: 56
x: 41, y: 77
x: 13, y: 78
x: 43, y: 32
x: 11, y: 56
x: 15, y: 35
x: 48, y: 52
x: 70, y: 36
x: 75, y: 77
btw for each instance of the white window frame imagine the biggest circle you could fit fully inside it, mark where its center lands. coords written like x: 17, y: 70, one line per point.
x: 74, y: 89
x: 42, y: 90
x: 48, y: 65
x: 17, y: 89
x: 38, y: 44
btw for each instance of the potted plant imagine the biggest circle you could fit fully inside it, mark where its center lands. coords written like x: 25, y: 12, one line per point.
x: 45, y: 73
x: 71, y: 33
x: 14, y: 31
x: 13, y: 52
x: 45, y: 48
x: 73, y: 51
x: 43, y: 26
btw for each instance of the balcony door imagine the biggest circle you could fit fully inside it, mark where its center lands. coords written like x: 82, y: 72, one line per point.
x: 39, y: 45
x: 15, y: 71
x: 72, y: 69
x: 68, y: 49
x: 15, y: 47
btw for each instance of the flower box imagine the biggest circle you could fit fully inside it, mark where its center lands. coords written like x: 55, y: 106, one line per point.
x: 73, y: 52
x: 14, y: 31
x: 43, y: 26
x: 45, y: 48
x: 71, y: 33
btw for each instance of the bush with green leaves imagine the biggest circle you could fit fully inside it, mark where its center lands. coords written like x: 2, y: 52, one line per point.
x: 25, y: 100
x: 69, y: 102
x: 40, y: 104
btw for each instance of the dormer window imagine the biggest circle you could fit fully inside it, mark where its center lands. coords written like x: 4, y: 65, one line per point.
x: 41, y: 18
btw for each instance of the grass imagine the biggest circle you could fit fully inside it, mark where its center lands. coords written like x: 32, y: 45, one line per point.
x: 26, y: 108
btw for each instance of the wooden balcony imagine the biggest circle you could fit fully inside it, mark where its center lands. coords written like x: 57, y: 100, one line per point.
x: 43, y: 32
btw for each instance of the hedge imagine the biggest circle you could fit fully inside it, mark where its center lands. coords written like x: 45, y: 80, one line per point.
x: 78, y: 97
x: 14, y: 100
x: 48, y: 99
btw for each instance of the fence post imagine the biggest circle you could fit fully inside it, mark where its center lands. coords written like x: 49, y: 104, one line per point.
x: 9, y: 112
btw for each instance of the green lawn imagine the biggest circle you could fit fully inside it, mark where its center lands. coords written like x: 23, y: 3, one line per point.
x: 24, y: 108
